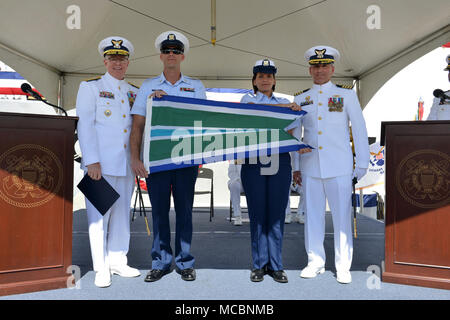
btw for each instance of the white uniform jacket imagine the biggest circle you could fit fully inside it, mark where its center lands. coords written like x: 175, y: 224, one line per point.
x: 326, y: 128
x: 440, y: 111
x: 103, y: 106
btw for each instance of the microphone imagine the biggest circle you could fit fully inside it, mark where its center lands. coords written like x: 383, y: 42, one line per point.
x: 438, y: 93
x: 28, y: 90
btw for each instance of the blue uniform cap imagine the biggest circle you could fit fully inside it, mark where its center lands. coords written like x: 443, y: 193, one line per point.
x: 264, y: 66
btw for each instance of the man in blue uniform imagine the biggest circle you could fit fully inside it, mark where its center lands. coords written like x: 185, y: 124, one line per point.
x: 181, y: 182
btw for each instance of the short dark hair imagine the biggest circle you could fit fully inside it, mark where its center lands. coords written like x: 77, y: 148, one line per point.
x: 255, y: 88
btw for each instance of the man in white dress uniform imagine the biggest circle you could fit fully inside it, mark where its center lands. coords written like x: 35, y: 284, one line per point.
x: 104, y: 126
x: 327, y: 171
x: 440, y: 110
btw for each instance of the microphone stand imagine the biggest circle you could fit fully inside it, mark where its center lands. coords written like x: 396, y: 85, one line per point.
x: 50, y: 104
x: 28, y: 90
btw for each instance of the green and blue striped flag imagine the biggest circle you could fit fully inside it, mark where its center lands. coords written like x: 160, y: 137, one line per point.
x: 182, y: 132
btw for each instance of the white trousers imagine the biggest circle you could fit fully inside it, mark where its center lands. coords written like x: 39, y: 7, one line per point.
x: 338, y: 191
x: 301, y: 203
x: 109, y: 235
x: 235, y: 196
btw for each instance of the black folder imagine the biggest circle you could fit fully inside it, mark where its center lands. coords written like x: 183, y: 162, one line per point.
x: 99, y: 192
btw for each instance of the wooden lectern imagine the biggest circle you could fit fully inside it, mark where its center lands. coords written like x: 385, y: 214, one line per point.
x: 417, y: 236
x: 36, y: 191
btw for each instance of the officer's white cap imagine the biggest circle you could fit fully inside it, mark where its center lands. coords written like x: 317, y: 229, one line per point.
x: 172, y: 38
x: 322, y: 55
x: 115, y: 45
x: 264, y: 66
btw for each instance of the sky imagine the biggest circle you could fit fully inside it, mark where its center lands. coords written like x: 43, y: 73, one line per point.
x: 397, y: 100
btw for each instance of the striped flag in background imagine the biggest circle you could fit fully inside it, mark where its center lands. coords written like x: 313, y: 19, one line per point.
x: 182, y: 132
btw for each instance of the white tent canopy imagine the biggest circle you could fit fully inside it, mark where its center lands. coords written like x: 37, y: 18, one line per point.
x: 36, y: 41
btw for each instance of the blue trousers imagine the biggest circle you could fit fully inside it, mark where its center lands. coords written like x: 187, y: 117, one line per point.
x: 267, y: 197
x: 181, y: 183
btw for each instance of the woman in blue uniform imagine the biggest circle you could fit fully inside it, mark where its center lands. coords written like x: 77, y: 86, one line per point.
x: 267, y: 195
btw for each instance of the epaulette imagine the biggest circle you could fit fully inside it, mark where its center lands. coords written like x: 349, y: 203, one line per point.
x: 300, y: 92
x: 133, y: 85
x: 92, y: 79
x: 345, y: 86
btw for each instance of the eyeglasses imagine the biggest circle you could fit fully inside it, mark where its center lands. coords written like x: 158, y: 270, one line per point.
x: 174, y: 51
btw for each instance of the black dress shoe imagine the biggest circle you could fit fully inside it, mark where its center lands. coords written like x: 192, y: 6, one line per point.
x: 279, y: 276
x: 155, y: 275
x: 188, y: 274
x: 257, y: 275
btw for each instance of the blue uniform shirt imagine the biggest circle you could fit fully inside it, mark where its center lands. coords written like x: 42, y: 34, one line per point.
x: 184, y: 87
x: 261, y: 98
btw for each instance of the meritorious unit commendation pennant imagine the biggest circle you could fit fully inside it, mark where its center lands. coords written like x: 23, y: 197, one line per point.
x: 182, y: 132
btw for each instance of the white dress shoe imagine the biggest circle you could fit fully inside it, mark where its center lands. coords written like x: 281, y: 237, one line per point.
x: 301, y: 219
x: 298, y: 218
x: 125, y: 271
x: 344, y: 277
x: 288, y: 218
x: 311, y: 271
x: 102, y: 279
x: 237, y: 221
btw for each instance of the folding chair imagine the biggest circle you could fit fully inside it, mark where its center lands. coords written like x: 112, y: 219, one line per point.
x: 205, y: 173
x: 141, y: 188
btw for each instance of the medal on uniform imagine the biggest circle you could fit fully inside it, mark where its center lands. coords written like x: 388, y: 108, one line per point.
x: 131, y: 97
x: 106, y: 94
x: 107, y: 112
x: 187, y: 89
x: 335, y: 104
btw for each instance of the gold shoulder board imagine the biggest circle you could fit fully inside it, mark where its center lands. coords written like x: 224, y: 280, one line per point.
x: 345, y: 86
x: 133, y: 85
x: 300, y: 92
x: 92, y: 79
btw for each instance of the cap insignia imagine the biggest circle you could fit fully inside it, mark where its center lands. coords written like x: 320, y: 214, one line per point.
x: 320, y: 53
